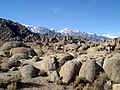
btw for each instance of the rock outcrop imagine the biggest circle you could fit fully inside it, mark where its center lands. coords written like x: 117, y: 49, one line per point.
x: 11, y: 31
x: 69, y: 71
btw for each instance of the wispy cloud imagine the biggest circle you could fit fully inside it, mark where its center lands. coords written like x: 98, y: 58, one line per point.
x: 90, y: 6
x: 57, y: 10
x: 86, y: 12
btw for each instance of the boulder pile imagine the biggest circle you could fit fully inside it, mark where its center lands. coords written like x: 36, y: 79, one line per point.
x: 83, y: 65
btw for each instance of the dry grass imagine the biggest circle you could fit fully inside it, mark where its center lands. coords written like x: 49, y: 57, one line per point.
x: 100, y: 83
x: 80, y: 83
x: 10, y: 83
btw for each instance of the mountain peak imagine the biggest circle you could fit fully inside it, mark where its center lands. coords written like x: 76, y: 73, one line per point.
x: 66, y: 32
x: 38, y: 29
x: 10, y: 31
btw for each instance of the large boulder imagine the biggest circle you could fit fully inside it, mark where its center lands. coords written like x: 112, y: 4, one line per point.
x: 13, y: 61
x: 4, y: 54
x: 116, y: 41
x: 92, y: 49
x: 69, y: 71
x: 29, y: 71
x: 116, y: 86
x: 24, y: 50
x: 112, y: 67
x: 100, y: 61
x: 87, y: 70
x: 47, y: 64
x: 67, y: 56
x: 19, y: 56
x: 54, y: 76
x: 4, y: 50
x: 71, y: 47
x: 97, y: 54
x: 9, y: 64
x: 39, y: 52
x: 83, y: 47
x: 13, y: 44
x: 117, y: 48
x: 64, y: 58
x: 82, y: 58
x: 35, y: 59
x: 41, y: 65
x: 52, y: 64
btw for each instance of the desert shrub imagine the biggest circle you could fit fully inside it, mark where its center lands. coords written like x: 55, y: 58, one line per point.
x: 80, y: 82
x: 100, y: 81
x: 11, y: 83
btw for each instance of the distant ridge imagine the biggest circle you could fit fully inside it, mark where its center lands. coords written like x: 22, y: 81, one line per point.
x: 13, y: 31
x: 66, y: 32
x: 10, y: 31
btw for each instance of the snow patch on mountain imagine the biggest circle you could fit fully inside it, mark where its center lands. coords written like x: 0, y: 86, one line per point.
x: 40, y: 30
x: 109, y: 36
x: 72, y: 32
x: 67, y: 32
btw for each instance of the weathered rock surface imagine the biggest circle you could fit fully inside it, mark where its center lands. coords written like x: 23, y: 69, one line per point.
x: 112, y: 67
x: 39, y: 52
x: 87, y: 70
x: 100, y: 61
x: 12, y: 31
x: 13, y: 61
x: 54, y: 76
x: 64, y: 58
x: 47, y: 64
x: 69, y: 71
x: 5, y: 49
x: 29, y: 71
x: 92, y: 49
x: 71, y: 47
x: 41, y: 65
x: 13, y: 44
x: 23, y: 50
x: 116, y: 87
x: 35, y: 59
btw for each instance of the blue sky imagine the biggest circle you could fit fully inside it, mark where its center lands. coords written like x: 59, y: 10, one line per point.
x: 94, y: 16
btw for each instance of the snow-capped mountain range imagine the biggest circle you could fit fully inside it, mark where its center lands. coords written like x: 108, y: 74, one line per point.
x: 68, y: 32
x: 40, y: 30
